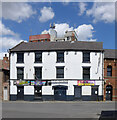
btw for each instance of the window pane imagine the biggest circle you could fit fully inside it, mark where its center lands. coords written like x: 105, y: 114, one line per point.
x: 38, y: 57
x: 38, y: 73
x: 109, y: 70
x: 20, y: 57
x: 60, y: 56
x: 60, y: 72
x: 86, y: 57
x: 20, y: 73
x: 86, y: 73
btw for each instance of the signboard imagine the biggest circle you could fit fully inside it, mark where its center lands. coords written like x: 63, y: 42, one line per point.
x: 18, y: 82
x: 85, y: 82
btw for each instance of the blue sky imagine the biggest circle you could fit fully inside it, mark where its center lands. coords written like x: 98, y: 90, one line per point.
x: 91, y: 21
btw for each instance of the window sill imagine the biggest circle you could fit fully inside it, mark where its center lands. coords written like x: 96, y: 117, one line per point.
x: 86, y: 62
x: 60, y: 62
x: 19, y: 62
x: 37, y: 62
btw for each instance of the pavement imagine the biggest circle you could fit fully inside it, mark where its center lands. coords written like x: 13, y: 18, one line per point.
x: 56, y: 109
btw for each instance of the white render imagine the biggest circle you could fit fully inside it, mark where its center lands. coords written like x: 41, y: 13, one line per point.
x: 72, y: 70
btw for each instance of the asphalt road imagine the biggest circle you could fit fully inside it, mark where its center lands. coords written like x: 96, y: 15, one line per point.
x: 81, y: 109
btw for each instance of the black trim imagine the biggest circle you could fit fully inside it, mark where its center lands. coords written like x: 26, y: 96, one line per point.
x: 28, y: 97
x: 13, y: 97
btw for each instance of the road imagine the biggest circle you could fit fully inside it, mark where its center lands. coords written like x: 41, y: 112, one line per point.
x: 79, y: 109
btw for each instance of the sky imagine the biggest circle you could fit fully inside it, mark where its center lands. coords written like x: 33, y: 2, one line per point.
x: 92, y: 21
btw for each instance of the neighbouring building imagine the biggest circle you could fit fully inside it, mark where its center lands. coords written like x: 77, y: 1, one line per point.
x: 110, y: 74
x: 4, y: 78
x: 52, y: 36
x: 64, y: 70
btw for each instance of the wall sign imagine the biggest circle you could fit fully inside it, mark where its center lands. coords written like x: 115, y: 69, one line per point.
x: 85, y: 82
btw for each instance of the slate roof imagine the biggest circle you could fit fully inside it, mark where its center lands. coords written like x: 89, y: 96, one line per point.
x: 65, y: 45
x: 110, y: 53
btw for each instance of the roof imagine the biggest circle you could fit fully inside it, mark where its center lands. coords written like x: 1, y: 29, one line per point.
x: 65, y: 45
x: 39, y: 37
x: 110, y: 53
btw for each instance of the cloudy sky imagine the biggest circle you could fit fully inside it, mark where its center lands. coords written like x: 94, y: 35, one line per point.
x: 92, y: 21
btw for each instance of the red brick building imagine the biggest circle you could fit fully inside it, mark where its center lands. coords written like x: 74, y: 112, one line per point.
x: 39, y: 38
x: 110, y: 75
x: 4, y: 78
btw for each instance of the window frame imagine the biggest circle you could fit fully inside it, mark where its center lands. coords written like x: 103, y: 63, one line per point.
x: 36, y: 77
x: 37, y: 60
x: 60, y: 59
x: 85, y: 58
x: 86, y: 74
x: 109, y: 72
x: 20, y: 74
x: 20, y: 59
x: 59, y: 74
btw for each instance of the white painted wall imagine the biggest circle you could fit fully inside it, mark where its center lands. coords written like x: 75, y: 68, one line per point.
x: 73, y: 65
x: 28, y: 90
x: 47, y: 90
x: 86, y: 90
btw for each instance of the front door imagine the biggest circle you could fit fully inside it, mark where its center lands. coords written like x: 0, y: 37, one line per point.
x: 94, y: 93
x: 5, y: 93
x: 20, y: 92
x: 109, y: 92
x: 77, y: 92
x: 38, y: 91
x: 60, y: 93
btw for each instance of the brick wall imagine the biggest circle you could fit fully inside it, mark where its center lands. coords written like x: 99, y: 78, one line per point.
x: 111, y: 80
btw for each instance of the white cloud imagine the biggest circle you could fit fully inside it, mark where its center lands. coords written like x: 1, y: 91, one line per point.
x: 102, y: 12
x: 6, y: 31
x: 61, y: 28
x: 82, y: 7
x: 8, y: 42
x: 16, y: 11
x: 46, y: 14
x: 84, y: 32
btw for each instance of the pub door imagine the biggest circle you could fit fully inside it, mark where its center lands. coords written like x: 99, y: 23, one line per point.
x: 77, y: 92
x: 94, y: 93
x: 20, y: 92
x: 60, y: 93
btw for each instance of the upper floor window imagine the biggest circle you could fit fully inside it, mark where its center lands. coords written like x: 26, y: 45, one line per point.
x: 86, y: 73
x: 109, y: 70
x: 20, y: 73
x: 38, y: 72
x: 59, y: 72
x: 38, y: 57
x: 86, y: 57
x: 20, y: 57
x: 60, y: 56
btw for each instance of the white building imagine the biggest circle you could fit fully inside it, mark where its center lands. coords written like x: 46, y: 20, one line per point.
x: 56, y: 71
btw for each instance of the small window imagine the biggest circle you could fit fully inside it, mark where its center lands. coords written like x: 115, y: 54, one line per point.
x: 60, y: 56
x: 38, y: 57
x: 86, y: 73
x: 60, y: 72
x: 38, y: 72
x: 20, y: 57
x: 109, y: 70
x: 20, y: 73
x: 86, y: 57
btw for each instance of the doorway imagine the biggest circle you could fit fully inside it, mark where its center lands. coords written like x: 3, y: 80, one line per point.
x: 77, y: 92
x: 60, y: 92
x: 38, y: 92
x: 109, y: 92
x: 94, y: 93
x: 20, y: 92
x: 5, y: 93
